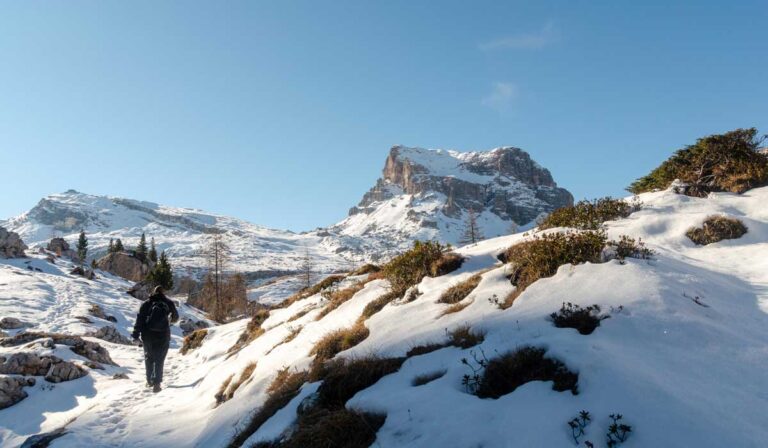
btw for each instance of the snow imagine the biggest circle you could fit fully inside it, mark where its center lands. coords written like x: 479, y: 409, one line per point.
x: 682, y: 373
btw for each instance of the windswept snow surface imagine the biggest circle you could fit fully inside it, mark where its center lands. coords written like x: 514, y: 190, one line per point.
x: 683, y: 372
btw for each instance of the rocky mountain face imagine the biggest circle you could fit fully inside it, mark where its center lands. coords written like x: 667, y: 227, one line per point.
x: 422, y: 194
x: 430, y: 193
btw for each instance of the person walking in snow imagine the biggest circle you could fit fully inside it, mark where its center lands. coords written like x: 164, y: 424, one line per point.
x: 153, y: 324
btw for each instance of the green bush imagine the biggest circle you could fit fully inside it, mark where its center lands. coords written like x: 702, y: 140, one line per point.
x: 408, y: 268
x: 584, y: 320
x: 588, y: 215
x: 716, y: 228
x: 725, y: 162
x: 540, y: 257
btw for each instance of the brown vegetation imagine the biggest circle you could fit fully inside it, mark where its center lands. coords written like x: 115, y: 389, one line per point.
x: 193, y: 340
x: 716, y: 228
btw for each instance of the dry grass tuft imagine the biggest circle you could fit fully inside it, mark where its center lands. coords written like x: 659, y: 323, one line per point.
x: 464, y: 337
x: 455, y: 308
x: 252, y: 331
x: 228, y: 388
x: 459, y: 292
x: 338, y: 297
x: 716, y: 228
x: 312, y: 290
x: 378, y: 304
x: 337, y: 341
x: 193, y: 340
x: 425, y: 378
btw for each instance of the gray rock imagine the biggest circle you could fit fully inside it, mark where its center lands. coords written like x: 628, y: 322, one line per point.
x: 141, y: 290
x: 125, y: 265
x: 12, y: 323
x: 119, y: 376
x: 188, y: 325
x: 11, y: 245
x: 110, y: 334
x: 87, y: 349
x: 97, y: 311
x: 83, y: 272
x: 61, y: 248
x: 11, y: 389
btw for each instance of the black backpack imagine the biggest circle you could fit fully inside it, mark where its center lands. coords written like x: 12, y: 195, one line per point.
x: 157, y: 318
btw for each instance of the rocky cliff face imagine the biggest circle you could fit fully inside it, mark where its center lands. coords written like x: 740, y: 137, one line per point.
x: 11, y: 245
x: 434, y: 190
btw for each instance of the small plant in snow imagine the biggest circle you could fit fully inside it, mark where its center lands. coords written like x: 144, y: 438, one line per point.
x: 578, y: 424
x: 472, y: 381
x: 585, y: 320
x: 618, y: 432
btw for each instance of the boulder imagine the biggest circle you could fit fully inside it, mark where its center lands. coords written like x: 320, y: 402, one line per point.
x: 87, y: 349
x: 125, y: 265
x: 141, y: 290
x: 110, y: 334
x: 12, y: 323
x: 61, y: 248
x: 54, y: 369
x: 96, y: 311
x: 188, y: 325
x: 83, y: 272
x: 11, y: 389
x: 11, y: 245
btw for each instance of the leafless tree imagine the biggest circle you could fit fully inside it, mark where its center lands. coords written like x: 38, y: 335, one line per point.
x: 472, y: 233
x: 305, y: 269
x: 217, y: 256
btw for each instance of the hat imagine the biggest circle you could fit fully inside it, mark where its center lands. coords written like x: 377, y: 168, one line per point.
x: 158, y: 290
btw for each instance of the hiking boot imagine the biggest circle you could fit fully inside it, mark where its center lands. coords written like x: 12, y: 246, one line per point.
x: 157, y: 388
x: 148, y: 385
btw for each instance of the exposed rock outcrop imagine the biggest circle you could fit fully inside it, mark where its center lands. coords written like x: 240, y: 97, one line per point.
x: 12, y: 323
x: 125, y: 265
x: 53, y: 368
x: 141, y: 290
x: 188, y: 325
x: 96, y: 310
x: 87, y: 349
x: 60, y: 247
x: 12, y: 389
x: 11, y: 245
x: 110, y: 334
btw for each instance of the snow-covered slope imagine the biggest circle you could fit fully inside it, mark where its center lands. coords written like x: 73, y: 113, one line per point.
x: 685, y: 359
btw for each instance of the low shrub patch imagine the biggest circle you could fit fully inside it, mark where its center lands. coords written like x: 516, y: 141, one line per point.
x: 336, y: 297
x: 627, y: 247
x: 456, y: 307
x: 312, y: 290
x: 584, y: 320
x: 588, y: 215
x: 282, y: 390
x: 229, y: 387
x: 378, y: 304
x: 426, y: 348
x: 425, y: 378
x: 503, y: 374
x: 337, y: 428
x: 193, y: 340
x: 716, y: 228
x: 459, y: 292
x: 342, y: 379
x: 366, y: 269
x: 252, y: 331
x: 541, y: 256
x: 464, y: 337
x: 338, y: 341
x: 425, y: 258
x: 726, y: 162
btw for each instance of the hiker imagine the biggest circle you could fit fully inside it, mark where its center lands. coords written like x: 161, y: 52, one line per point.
x: 153, y: 324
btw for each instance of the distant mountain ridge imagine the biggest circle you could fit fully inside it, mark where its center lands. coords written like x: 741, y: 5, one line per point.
x: 422, y: 194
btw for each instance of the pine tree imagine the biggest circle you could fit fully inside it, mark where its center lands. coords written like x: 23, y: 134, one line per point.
x: 82, y: 246
x: 141, y: 248
x: 119, y: 245
x: 152, y: 250
x: 111, y: 247
x: 472, y: 232
x: 162, y: 273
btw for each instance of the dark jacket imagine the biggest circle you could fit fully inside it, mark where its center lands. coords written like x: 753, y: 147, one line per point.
x: 141, y: 319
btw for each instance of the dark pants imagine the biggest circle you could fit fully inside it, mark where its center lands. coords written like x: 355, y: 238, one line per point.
x: 155, y: 349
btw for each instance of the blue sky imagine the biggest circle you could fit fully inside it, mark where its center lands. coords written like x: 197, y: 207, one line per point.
x: 283, y: 112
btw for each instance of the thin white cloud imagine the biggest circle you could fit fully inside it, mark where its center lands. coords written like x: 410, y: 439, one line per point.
x: 547, y: 35
x: 501, y: 96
